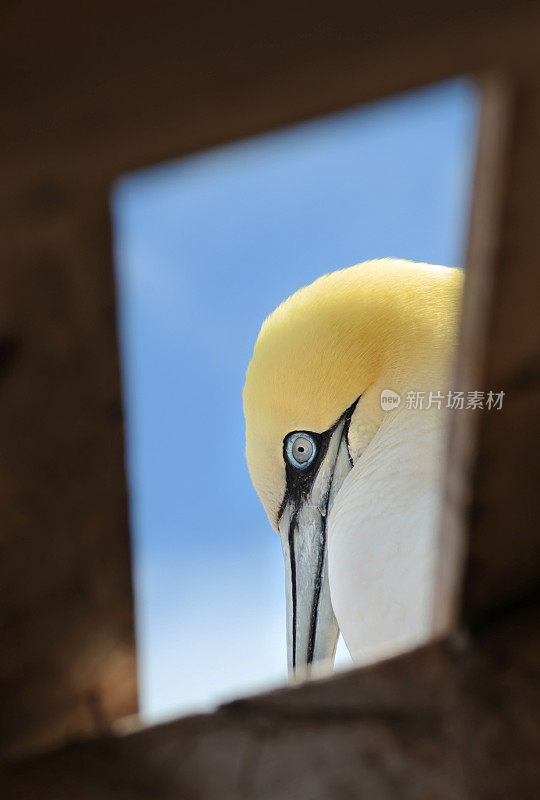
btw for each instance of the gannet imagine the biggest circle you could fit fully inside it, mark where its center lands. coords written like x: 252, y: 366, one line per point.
x: 352, y: 487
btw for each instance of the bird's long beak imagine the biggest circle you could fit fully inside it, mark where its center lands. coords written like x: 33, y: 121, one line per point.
x: 312, y: 630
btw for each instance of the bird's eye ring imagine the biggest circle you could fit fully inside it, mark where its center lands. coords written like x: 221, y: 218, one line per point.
x: 300, y: 449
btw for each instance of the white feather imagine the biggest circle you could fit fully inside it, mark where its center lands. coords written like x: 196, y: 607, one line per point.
x: 382, y: 537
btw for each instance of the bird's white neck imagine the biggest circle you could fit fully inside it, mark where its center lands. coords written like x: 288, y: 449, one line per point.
x: 383, y: 529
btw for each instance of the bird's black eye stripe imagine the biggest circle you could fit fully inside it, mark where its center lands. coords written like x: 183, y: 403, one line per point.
x: 299, y: 479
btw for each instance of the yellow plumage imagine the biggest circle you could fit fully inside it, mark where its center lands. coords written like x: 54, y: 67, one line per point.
x: 352, y: 332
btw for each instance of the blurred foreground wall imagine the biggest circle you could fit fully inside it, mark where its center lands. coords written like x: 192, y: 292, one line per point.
x: 92, y: 91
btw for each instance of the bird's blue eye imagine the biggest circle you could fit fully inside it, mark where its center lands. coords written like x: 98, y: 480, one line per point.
x: 300, y: 449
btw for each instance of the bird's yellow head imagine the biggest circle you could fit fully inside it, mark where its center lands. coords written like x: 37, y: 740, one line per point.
x: 312, y: 405
x: 349, y: 334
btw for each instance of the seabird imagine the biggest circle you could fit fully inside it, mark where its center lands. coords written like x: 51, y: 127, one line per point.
x: 344, y: 403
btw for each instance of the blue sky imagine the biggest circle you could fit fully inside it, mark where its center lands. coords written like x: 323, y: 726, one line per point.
x: 206, y: 248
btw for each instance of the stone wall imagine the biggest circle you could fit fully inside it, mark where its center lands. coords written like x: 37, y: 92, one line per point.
x: 93, y: 90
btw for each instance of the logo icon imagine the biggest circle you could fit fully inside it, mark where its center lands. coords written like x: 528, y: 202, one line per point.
x: 389, y: 400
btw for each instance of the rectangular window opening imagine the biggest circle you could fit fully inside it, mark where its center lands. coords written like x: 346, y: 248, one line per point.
x: 206, y: 247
